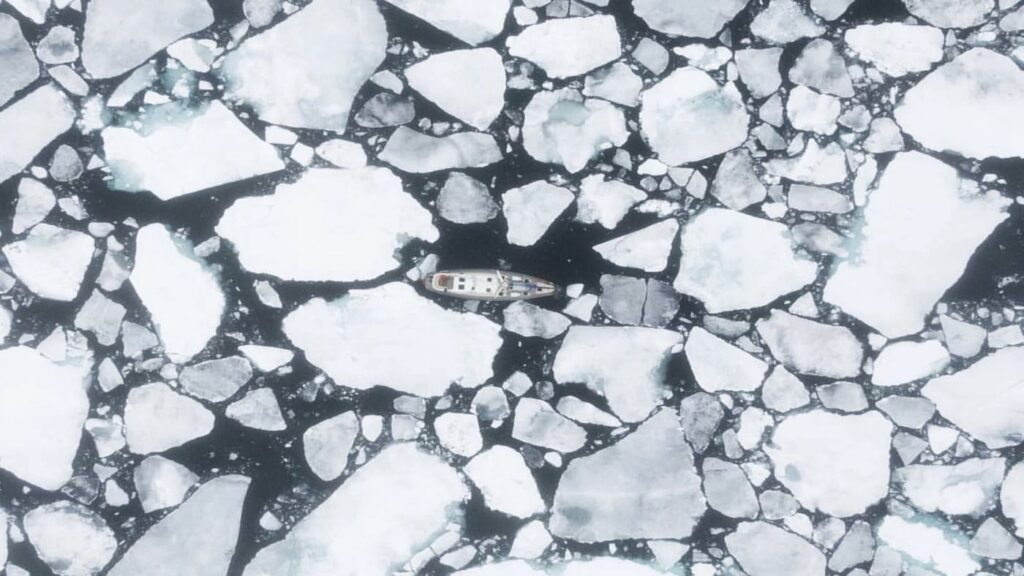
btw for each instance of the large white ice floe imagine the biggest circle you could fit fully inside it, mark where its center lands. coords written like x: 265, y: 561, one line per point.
x: 330, y: 225
x: 732, y: 261
x: 501, y: 474
x: 532, y: 208
x: 121, y: 34
x: 419, y: 153
x: 162, y: 483
x: 305, y: 71
x: 568, y: 47
x: 952, y: 13
x: 646, y: 249
x: 688, y: 116
x: 157, y: 418
x: 43, y: 407
x: 693, y: 19
x: 439, y: 347
x: 178, y: 151
x: 984, y: 399
x: 472, y: 21
x: 468, y: 84
x: 16, y: 59
x: 833, y: 463
x: 51, y: 261
x: 30, y: 124
x: 626, y: 365
x: 970, y: 487
x: 821, y: 67
x: 198, y: 538
x: 812, y: 348
x: 562, y: 127
x: 71, y: 539
x: 180, y: 291
x: 764, y: 549
x: 606, y: 201
x: 903, y: 362
x: 1011, y: 496
x: 643, y: 486
x: 895, y: 48
x: 891, y: 281
x: 785, y: 21
x: 719, y: 366
x: 383, y: 514
x: 326, y: 444
x: 924, y: 543
x: 970, y: 106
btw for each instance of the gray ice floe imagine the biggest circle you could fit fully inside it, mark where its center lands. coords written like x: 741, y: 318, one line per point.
x: 51, y: 261
x: 728, y: 490
x: 562, y: 127
x: 691, y: 19
x: 758, y: 69
x: 157, y: 418
x: 951, y: 13
x: 736, y: 182
x: 719, y: 366
x: 258, y: 410
x: 327, y: 444
x: 812, y: 348
x: 465, y: 200
x: 215, y: 380
x: 419, y: 153
x: 537, y: 423
x: 69, y: 538
x: 764, y: 549
x: 16, y: 59
x: 101, y: 316
x: 567, y: 47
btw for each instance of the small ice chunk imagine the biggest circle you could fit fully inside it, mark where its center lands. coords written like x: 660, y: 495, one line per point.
x: 468, y: 84
x: 101, y: 316
x: 643, y: 486
x: 440, y: 346
x: 537, y: 423
x: 728, y: 490
x: 532, y: 321
x: 993, y: 541
x: 699, y: 415
x: 785, y: 21
x: 963, y: 339
x: 969, y: 487
x: 459, y: 433
x: 35, y: 201
x: 562, y: 127
x: 329, y: 213
x: 162, y: 483
x: 836, y: 464
x: 501, y: 474
x: 689, y: 101
x: 821, y: 67
x: 616, y: 83
x: 180, y: 151
x: 986, y: 87
x: 720, y: 366
x: 926, y: 544
x: 903, y: 362
x: 385, y: 110
x: 651, y: 55
x: 266, y: 358
x: 810, y: 111
x: 907, y: 411
x: 812, y: 348
x: 472, y: 21
x: 736, y: 183
x: 692, y: 19
x: 764, y: 549
x: 465, y: 200
x: 490, y: 404
x: 281, y: 73
x: 16, y: 59
x: 69, y: 538
x: 327, y: 444
x: 65, y: 166
x: 605, y: 201
x: 418, y: 153
x: 30, y: 124
x: 782, y: 391
x: 567, y: 47
x: 51, y: 261
x: 951, y: 13
x: 258, y: 410
x: 732, y: 261
x: 890, y: 283
x: 646, y: 249
x: 181, y: 293
x: 759, y: 70
x: 815, y: 165
x: 531, y: 209
x: 157, y: 418
x: 895, y: 48
x: 626, y: 365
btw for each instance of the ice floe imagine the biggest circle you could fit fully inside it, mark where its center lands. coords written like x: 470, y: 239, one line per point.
x: 468, y: 84
x: 606, y: 201
x: 19, y: 64
x: 719, y: 366
x: 569, y: 46
x: 30, y: 124
x: 532, y: 208
x: 326, y: 445
x: 51, y: 261
x: 646, y: 249
x: 927, y: 545
x: 70, y: 539
x: 416, y: 152
x: 562, y: 127
x: 970, y: 487
x: 895, y: 48
x: 812, y: 348
x: 501, y: 474
x: 693, y: 19
x: 764, y: 549
x: 157, y: 418
x: 162, y: 483
x: 472, y: 21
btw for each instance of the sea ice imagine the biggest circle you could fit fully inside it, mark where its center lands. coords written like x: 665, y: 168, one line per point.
x: 258, y: 410
x: 626, y: 365
x: 782, y: 391
x: 692, y: 19
x: 35, y: 201
x: 531, y: 209
x: 813, y: 348
x: 736, y: 184
x: 817, y: 199
x: 327, y: 213
x: 890, y: 282
x: 830, y: 9
x: 689, y: 101
x: 785, y: 21
x: 907, y: 411
x: 962, y: 338
x: 472, y: 21
x: 178, y: 151
x: 605, y: 201
x: 719, y: 366
x: 305, y: 71
x: 418, y: 153
x: 646, y: 249
x: 532, y: 321
x: 926, y: 544
x: 568, y: 47
x: 728, y: 490
x: 51, y: 261
x: 821, y: 67
x: 764, y: 549
x: 616, y: 83
x: 501, y: 474
x: 439, y: 347
x: 162, y: 483
x: 562, y: 127
x: 326, y: 444
x: 180, y: 291
x: 537, y: 423
x: 1011, y: 496
x: 903, y: 362
x: 468, y: 84
x: 970, y: 487
x: 459, y: 433
x: 69, y: 538
x: 895, y: 48
x: 993, y: 541
x: 157, y: 418
x: 585, y: 413
x: 215, y: 380
x: 101, y: 316
x: 643, y: 486
x: 810, y: 111
x: 951, y: 13
x: 30, y: 124
x: 815, y: 165
x: 16, y: 59
x: 732, y: 261
x: 759, y: 70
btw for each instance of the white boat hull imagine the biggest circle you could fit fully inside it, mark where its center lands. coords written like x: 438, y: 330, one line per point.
x: 494, y: 285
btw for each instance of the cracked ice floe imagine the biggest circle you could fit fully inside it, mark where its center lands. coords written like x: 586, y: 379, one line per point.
x: 177, y: 151
x: 43, y: 406
x: 813, y: 348
x: 531, y: 209
x: 198, y: 538
x: 732, y: 261
x: 472, y: 21
x: 896, y: 49
x: 162, y: 483
x: 180, y: 291
x: 925, y: 543
x: 635, y: 301
x: 465, y: 200
x: 763, y: 549
x: 626, y: 365
x: 327, y: 213
x: 501, y: 474
x: 71, y: 539
x: 814, y: 165
x: 388, y: 510
x: 693, y: 19
x: 532, y: 321
x: 643, y: 486
x: 903, y: 362
x: 51, y: 261
x: 30, y: 124
x: 891, y: 282
x: 689, y: 101
x: 563, y: 127
x: 836, y: 464
x: 646, y: 249
x: 418, y: 153
x: 157, y: 418
x: 985, y: 399
x: 282, y: 74
x: 720, y: 366
x: 606, y: 201
x: 374, y: 326
x: 810, y: 111
x: 969, y: 487
x: 16, y: 59
x: 468, y: 84
x: 568, y: 47
x: 985, y: 89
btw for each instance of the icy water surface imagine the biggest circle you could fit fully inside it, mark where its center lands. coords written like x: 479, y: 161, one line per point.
x: 789, y: 234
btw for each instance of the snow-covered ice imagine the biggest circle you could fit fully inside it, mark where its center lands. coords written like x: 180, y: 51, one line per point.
x: 646, y: 249
x: 764, y: 549
x: 215, y: 380
x: 258, y: 410
x: 157, y: 418
x: 605, y: 201
x: 902, y: 362
x: 71, y: 539
x: 562, y: 127
x: 416, y: 152
x: 30, y: 124
x: 970, y: 487
x: 719, y: 366
x: 736, y: 182
x: 326, y: 445
x: 468, y: 84
x: 532, y: 321
x: 532, y: 208
x: 895, y: 48
x: 927, y: 545
x: 808, y: 347
x: 472, y: 21
x: 537, y: 423
x: 51, y: 261
x: 570, y: 46
x: 16, y: 58
x: 693, y: 19
x: 162, y: 483
x: 951, y: 14
x: 501, y: 474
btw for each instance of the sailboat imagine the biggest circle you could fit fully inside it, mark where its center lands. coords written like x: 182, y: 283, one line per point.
x: 495, y: 285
